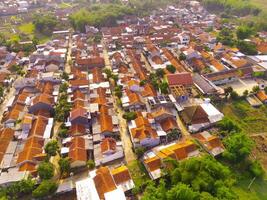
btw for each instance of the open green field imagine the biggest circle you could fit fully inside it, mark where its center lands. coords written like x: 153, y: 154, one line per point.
x: 261, y: 4
x: 257, y: 191
x: 251, y: 120
x: 27, y: 29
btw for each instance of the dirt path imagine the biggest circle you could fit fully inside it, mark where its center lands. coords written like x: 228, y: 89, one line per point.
x: 125, y: 138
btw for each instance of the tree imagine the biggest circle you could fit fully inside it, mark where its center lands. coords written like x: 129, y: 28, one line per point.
x: 1, y: 91
x: 247, y: 48
x: 234, y: 95
x: 65, y: 76
x: 256, y: 169
x: 129, y: 116
x: 63, y: 87
x: 182, y: 56
x: 108, y: 72
x: 160, y: 73
x: 227, y: 91
x: 238, y: 147
x: 46, y: 188
x: 64, y: 164
x: 51, y: 148
x: 256, y: 89
x: 171, y: 69
x: 90, y: 164
x: 155, y: 193
x: 63, y: 133
x: 226, y: 36
x: 265, y: 90
x: 45, y: 170
x: 164, y: 87
x: 227, y: 125
x: 118, y: 91
x: 244, y: 32
x: 139, y: 151
x: 245, y: 93
x: 45, y: 23
x: 182, y: 191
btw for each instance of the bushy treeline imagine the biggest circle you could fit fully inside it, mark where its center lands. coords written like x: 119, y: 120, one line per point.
x: 232, y: 7
x: 107, y: 14
x: 98, y: 15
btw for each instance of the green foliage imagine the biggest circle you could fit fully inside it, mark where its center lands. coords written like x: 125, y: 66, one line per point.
x: 160, y: 73
x: 256, y: 89
x: 227, y: 91
x: 232, y: 7
x: 256, y: 169
x: 226, y: 37
x: 64, y: 164
x: 45, y: 170
x: 234, y: 95
x: 244, y: 32
x: 98, y: 15
x: 139, y: 151
x: 196, y: 178
x: 90, y: 164
x: 45, y: 23
x: 182, y: 56
x: 63, y: 107
x: 171, y: 69
x: 129, y: 116
x: 1, y: 91
x: 46, y: 188
x: 247, y: 48
x: 182, y: 191
x: 51, y: 148
x: 17, y: 189
x: 164, y: 87
x: 238, y: 147
x: 63, y: 132
x: 18, y: 69
x: 63, y: 87
x: 118, y: 91
x: 65, y: 76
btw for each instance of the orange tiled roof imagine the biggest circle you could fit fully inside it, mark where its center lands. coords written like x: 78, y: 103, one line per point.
x: 168, y: 124
x: 77, y: 149
x: 121, y: 174
x: 262, y: 96
x: 104, y: 182
x: 153, y: 163
x: 108, y: 144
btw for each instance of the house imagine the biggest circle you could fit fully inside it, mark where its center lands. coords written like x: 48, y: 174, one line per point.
x: 42, y: 102
x: 153, y: 159
x: 180, y: 85
x: 203, y: 85
x: 142, y: 133
x: 107, y: 151
x: 199, y: 117
x: 31, y: 154
x: 80, y: 115
x: 212, y: 144
x: 77, y: 152
x: 105, y: 183
x: 132, y: 101
x: 262, y: 96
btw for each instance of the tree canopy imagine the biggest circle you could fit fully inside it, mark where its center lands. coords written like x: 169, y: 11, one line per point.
x: 45, y: 170
x: 195, y: 178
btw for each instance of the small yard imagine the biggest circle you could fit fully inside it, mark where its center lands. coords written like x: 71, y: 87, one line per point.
x: 138, y: 173
x: 27, y: 29
x: 251, y: 120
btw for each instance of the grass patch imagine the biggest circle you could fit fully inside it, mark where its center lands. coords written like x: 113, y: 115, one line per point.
x: 138, y: 173
x: 251, y: 120
x: 64, y: 5
x: 258, y: 190
x: 27, y: 29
